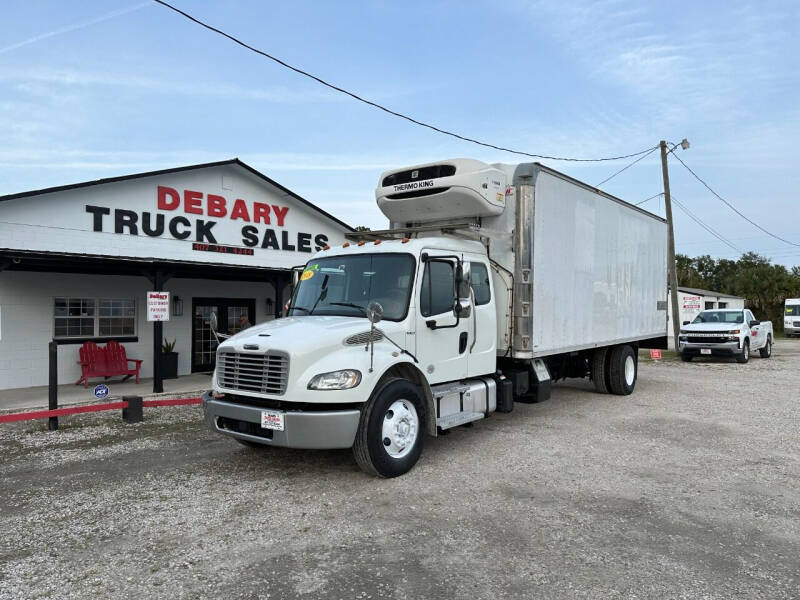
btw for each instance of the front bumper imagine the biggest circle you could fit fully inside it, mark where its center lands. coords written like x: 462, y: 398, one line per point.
x: 789, y: 330
x: 723, y: 349
x: 302, y: 429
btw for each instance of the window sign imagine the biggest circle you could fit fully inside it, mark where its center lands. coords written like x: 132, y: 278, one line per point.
x: 158, y: 306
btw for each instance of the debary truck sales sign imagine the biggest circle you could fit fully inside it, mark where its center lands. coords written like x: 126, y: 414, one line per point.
x: 199, y: 215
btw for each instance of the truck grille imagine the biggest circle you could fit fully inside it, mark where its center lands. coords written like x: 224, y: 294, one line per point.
x: 264, y: 373
x: 796, y: 324
x: 707, y: 340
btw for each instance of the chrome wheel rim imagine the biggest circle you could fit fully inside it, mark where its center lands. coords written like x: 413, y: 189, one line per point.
x: 630, y: 370
x: 400, y: 428
x: 746, y: 351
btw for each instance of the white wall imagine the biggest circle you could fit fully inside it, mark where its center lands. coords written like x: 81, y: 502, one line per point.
x: 26, y: 310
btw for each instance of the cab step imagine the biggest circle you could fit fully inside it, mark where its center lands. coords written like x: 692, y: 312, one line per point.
x: 459, y: 418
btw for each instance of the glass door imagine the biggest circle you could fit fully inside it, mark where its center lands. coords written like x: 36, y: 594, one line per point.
x: 233, y: 315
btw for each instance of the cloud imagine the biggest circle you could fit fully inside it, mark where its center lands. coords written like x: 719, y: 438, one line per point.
x: 74, y: 27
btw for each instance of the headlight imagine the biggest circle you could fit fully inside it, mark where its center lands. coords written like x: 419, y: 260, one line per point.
x: 335, y: 380
x: 684, y: 332
x: 735, y: 332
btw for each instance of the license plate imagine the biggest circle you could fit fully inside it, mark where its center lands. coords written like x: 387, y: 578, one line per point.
x: 705, y: 350
x: 272, y: 419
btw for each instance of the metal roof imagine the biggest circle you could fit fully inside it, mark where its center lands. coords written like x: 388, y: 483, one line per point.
x: 701, y: 292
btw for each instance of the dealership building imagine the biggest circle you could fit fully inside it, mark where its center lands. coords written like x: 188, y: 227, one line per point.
x: 77, y: 263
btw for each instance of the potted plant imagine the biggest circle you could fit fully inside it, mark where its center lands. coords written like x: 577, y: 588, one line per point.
x: 169, y: 360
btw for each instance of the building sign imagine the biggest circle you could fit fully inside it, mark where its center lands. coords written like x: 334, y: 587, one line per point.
x: 158, y: 306
x: 175, y: 218
x: 221, y: 214
x: 692, y: 302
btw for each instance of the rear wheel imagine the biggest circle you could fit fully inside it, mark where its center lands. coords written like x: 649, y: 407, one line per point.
x: 745, y: 355
x: 390, y: 434
x: 600, y: 370
x: 622, y: 370
x: 766, y: 351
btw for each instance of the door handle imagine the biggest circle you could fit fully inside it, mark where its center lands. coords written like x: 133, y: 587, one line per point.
x: 462, y: 342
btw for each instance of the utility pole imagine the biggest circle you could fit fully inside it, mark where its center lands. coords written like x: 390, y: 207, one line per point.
x: 671, y: 272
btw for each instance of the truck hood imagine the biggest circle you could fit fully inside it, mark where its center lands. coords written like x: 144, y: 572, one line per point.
x: 307, y: 335
x: 713, y: 327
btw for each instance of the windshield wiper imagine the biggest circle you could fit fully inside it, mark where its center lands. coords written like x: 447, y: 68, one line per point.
x: 299, y: 308
x: 351, y: 305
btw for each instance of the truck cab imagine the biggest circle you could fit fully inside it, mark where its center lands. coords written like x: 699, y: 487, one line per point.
x: 437, y: 324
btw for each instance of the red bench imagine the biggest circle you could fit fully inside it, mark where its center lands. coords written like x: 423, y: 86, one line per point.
x: 106, y: 362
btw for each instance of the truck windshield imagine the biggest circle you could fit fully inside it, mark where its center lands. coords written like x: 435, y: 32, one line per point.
x: 793, y: 310
x: 345, y: 285
x: 719, y: 316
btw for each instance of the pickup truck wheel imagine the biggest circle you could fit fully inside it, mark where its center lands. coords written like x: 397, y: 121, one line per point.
x: 766, y: 351
x: 745, y: 355
x: 391, y: 430
x: 600, y: 370
x: 622, y: 370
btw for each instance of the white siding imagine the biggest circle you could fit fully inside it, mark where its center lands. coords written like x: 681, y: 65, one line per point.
x: 26, y: 299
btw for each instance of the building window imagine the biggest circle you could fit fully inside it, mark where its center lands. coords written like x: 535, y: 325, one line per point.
x: 709, y: 305
x: 117, y: 317
x: 723, y: 305
x: 74, y: 317
x: 80, y: 317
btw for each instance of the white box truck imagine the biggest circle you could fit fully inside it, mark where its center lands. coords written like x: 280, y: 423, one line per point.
x: 791, y: 317
x: 493, y: 281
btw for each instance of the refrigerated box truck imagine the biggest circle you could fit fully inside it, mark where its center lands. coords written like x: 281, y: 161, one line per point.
x: 492, y: 282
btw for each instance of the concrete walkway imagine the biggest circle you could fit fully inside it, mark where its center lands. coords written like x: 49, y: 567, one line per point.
x: 70, y: 394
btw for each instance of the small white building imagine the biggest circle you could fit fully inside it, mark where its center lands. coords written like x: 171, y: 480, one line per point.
x: 77, y: 261
x: 692, y: 301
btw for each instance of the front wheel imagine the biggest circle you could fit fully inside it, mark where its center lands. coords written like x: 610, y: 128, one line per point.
x: 745, y: 355
x: 391, y: 430
x: 766, y: 351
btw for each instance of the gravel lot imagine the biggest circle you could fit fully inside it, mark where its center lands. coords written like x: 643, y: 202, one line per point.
x: 689, y: 488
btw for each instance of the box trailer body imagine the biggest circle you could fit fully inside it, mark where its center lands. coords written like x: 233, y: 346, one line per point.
x: 493, y: 282
x: 595, y: 266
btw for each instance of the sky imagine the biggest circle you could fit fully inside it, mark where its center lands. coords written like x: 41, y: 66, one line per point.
x: 104, y: 88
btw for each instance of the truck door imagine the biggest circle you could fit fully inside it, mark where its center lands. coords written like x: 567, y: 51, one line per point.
x: 442, y: 339
x: 483, y: 321
x: 757, y: 339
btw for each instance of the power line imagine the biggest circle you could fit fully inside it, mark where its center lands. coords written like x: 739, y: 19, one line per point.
x: 708, y: 228
x: 732, y: 207
x: 650, y: 198
x: 626, y: 167
x: 388, y: 110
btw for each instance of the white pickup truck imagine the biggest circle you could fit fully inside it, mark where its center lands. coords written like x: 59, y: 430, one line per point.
x: 726, y: 332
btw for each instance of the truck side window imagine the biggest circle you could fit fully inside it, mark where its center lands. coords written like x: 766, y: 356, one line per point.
x: 438, y: 288
x: 479, y: 278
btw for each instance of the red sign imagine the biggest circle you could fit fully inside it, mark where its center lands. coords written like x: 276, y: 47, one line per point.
x: 655, y: 354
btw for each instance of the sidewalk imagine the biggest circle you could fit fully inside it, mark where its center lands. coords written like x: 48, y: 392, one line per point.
x: 70, y: 394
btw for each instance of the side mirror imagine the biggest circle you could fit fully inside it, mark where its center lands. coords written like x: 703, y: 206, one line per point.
x: 374, y: 312
x: 753, y: 323
x: 213, y: 322
x: 686, y: 322
x: 462, y: 307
